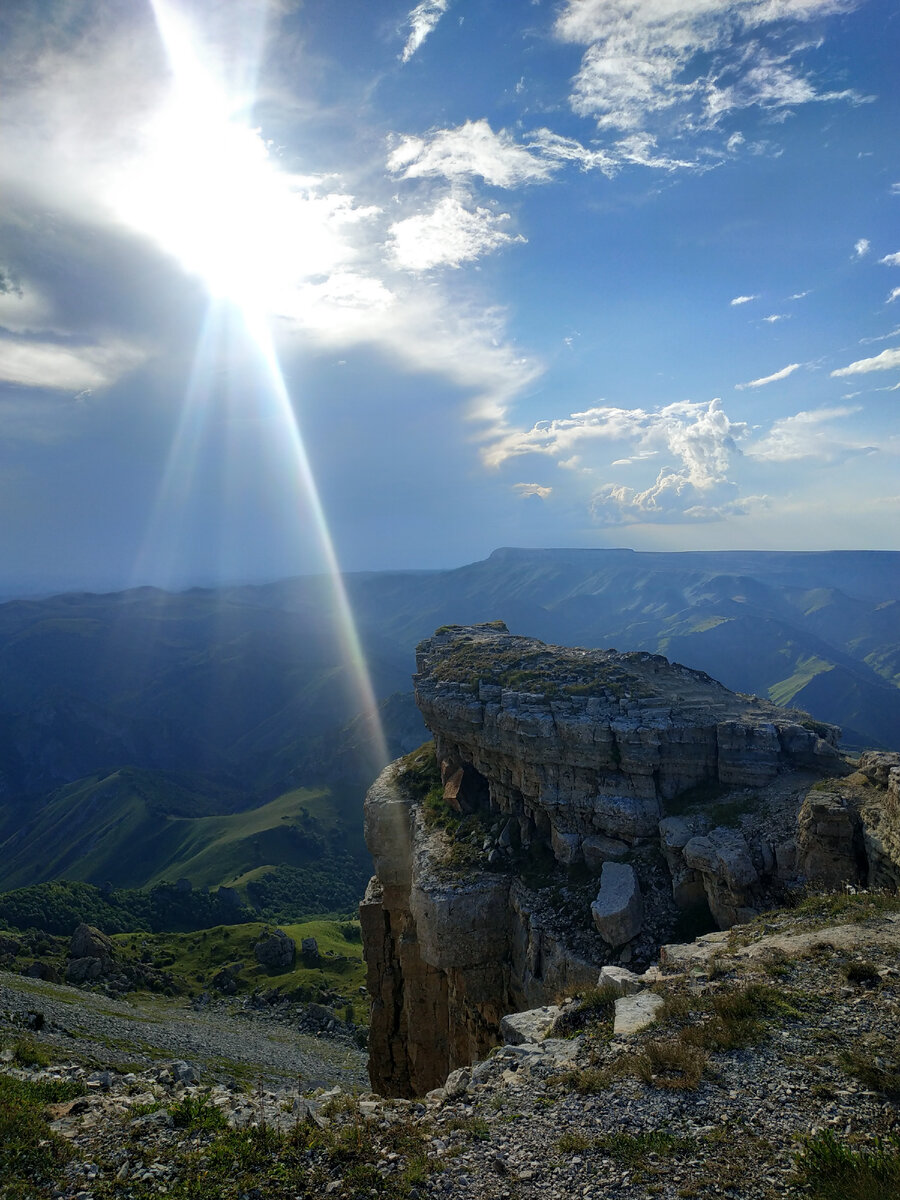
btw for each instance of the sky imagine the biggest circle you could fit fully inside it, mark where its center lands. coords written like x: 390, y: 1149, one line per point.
x: 286, y: 286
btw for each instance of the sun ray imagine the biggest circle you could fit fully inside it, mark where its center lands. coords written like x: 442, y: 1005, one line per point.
x: 210, y: 195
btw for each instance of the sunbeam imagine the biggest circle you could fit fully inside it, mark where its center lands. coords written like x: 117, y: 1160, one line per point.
x: 209, y: 194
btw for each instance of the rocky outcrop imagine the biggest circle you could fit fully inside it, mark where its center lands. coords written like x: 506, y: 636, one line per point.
x: 577, y: 800
x: 276, y: 951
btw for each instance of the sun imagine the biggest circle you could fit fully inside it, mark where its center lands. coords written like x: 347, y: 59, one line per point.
x: 210, y: 191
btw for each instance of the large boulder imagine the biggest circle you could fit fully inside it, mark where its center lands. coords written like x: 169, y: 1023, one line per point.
x: 276, y: 952
x: 618, y: 911
x: 89, y: 942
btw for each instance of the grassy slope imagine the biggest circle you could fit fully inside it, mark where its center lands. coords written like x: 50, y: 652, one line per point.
x: 115, y: 828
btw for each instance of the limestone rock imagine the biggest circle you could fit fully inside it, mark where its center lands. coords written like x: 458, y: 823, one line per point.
x: 597, y: 850
x: 829, y: 840
x: 275, y: 952
x: 618, y: 910
x: 530, y: 1026
x: 634, y: 1013
x: 625, y: 982
x: 309, y: 948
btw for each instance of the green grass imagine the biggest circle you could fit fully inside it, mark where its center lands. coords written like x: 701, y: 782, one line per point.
x: 829, y: 1170
x: 31, y: 1154
x: 126, y: 832
x: 197, y: 1112
x: 805, y: 669
x: 195, y: 958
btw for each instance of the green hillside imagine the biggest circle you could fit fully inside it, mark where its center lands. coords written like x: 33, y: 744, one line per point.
x: 117, y: 829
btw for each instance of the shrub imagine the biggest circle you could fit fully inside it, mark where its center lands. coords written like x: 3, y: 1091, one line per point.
x: 832, y: 1171
x: 672, y: 1064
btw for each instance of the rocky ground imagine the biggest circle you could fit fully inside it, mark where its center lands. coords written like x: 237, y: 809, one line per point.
x: 779, y: 1031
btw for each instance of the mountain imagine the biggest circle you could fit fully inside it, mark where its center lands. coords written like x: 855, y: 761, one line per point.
x: 129, y: 719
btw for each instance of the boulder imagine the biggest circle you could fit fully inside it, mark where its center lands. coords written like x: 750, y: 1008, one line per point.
x: 276, y: 952
x: 530, y: 1026
x: 88, y: 942
x: 82, y: 970
x: 618, y: 911
x: 309, y: 948
x: 634, y: 1013
x: 625, y: 982
x: 597, y: 850
x: 566, y: 847
x: 42, y: 970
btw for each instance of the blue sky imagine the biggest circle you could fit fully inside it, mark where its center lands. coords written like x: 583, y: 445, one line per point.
x: 284, y: 282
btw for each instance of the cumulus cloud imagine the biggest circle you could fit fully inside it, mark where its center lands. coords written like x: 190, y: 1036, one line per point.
x: 809, y: 435
x: 422, y: 20
x: 742, y: 300
x: 448, y: 235
x: 652, y: 59
x: 891, y: 260
x: 671, y: 500
x: 885, y: 361
x: 700, y: 437
x: 861, y: 248
x: 774, y: 378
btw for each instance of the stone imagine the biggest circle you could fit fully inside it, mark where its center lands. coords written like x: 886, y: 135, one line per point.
x: 597, y: 850
x: 829, y: 840
x: 83, y: 970
x: 634, y: 1013
x: 42, y: 970
x: 309, y: 948
x: 275, y: 952
x: 618, y: 911
x: 457, y: 1082
x: 566, y: 847
x: 89, y: 942
x: 530, y: 1026
x: 625, y: 982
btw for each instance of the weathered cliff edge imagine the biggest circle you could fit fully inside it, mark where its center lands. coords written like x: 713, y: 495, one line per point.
x: 568, y: 769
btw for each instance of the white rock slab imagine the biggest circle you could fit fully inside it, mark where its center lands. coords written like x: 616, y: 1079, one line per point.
x: 634, y: 1013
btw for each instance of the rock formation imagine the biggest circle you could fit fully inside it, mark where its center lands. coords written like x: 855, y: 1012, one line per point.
x: 499, y: 879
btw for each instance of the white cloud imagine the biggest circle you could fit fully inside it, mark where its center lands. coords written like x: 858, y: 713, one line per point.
x: 736, y: 140
x: 742, y: 300
x: 773, y: 317
x: 884, y: 337
x: 701, y: 437
x: 671, y: 500
x: 447, y: 236
x: 532, y: 489
x: 471, y: 149
x: 798, y: 295
x: 65, y: 368
x: 774, y: 378
x: 644, y: 59
x: 556, y: 148
x: 895, y: 293
x: 861, y: 248
x: 891, y: 260
x: 809, y: 435
x: 885, y: 361
x: 422, y: 20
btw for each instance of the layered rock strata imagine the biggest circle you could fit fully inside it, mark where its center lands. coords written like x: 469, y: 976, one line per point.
x: 556, y: 765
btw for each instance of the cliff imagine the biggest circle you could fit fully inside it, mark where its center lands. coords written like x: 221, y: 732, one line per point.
x: 579, y: 808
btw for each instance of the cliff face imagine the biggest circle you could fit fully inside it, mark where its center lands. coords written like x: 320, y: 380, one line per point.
x: 579, y: 803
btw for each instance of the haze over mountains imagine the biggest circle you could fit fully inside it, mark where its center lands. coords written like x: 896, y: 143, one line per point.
x: 216, y: 733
